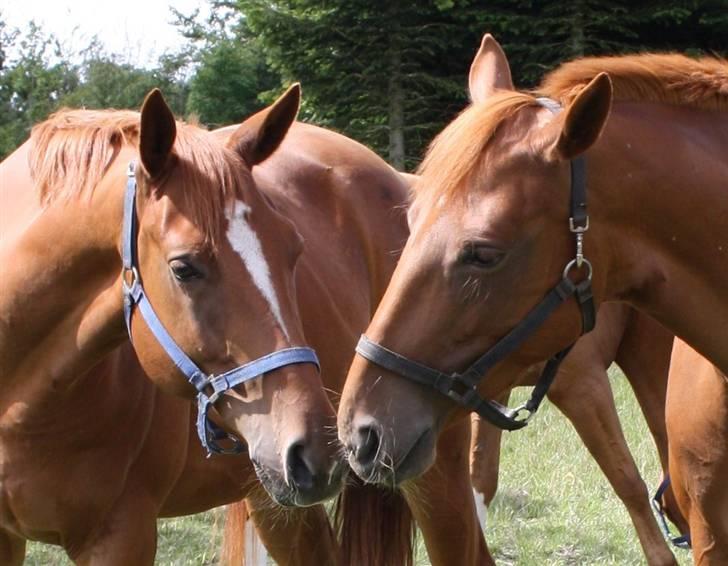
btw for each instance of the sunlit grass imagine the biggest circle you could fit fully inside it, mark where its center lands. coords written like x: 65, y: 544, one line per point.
x: 554, y: 506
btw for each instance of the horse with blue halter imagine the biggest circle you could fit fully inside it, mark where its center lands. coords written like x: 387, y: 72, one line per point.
x: 266, y: 238
x: 532, y: 211
x: 117, y: 217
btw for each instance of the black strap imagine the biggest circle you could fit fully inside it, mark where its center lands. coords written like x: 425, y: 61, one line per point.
x: 522, y: 331
x: 578, y: 192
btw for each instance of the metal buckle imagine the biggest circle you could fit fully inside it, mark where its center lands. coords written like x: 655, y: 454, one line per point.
x: 466, y: 393
x: 129, y: 285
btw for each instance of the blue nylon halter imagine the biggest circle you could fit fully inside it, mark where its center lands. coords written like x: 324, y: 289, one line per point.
x: 134, y: 296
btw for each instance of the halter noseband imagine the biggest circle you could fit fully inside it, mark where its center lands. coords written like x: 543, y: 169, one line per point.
x: 209, y: 387
x: 462, y: 387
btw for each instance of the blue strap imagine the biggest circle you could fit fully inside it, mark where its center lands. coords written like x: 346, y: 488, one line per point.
x: 209, y: 388
x: 682, y: 541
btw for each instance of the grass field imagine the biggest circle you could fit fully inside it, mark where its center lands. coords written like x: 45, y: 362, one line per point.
x: 554, y: 506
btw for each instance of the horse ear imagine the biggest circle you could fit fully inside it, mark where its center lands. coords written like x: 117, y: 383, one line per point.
x: 156, y: 133
x: 585, y: 118
x: 261, y: 134
x: 489, y: 70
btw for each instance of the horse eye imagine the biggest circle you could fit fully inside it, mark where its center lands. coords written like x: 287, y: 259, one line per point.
x: 183, y: 270
x: 482, y: 256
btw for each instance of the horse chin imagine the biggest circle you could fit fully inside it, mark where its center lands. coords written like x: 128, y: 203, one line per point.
x: 411, y: 464
x: 287, y: 495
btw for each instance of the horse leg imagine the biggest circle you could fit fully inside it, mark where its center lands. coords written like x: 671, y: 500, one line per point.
x: 293, y: 536
x: 485, y: 445
x: 697, y: 426
x: 442, y: 504
x: 12, y: 549
x: 583, y: 394
x: 644, y: 356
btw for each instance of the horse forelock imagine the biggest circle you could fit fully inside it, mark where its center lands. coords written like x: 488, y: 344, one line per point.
x: 73, y: 150
x: 668, y: 78
x: 459, y: 148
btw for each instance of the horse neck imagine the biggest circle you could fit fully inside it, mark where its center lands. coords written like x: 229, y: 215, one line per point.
x: 659, y: 203
x: 61, y: 300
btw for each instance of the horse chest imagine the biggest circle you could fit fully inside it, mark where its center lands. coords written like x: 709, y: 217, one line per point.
x: 64, y: 464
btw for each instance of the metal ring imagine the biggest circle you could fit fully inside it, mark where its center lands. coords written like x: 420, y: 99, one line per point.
x: 573, y: 263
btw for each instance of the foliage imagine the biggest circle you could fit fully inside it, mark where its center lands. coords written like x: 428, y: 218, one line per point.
x: 389, y: 73
x: 231, y: 71
x: 370, y: 66
x: 32, y: 84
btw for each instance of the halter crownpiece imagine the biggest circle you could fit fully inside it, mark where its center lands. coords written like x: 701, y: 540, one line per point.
x: 209, y: 387
x: 462, y: 387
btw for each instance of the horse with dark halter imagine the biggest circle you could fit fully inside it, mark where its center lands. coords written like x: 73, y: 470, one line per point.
x: 501, y: 215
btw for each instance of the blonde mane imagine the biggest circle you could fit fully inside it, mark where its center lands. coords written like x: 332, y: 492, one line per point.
x: 73, y: 150
x: 467, y: 138
x: 670, y: 79
x: 667, y: 78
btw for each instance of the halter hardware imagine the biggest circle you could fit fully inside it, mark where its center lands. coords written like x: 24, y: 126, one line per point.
x: 680, y: 541
x: 462, y: 387
x: 209, y: 387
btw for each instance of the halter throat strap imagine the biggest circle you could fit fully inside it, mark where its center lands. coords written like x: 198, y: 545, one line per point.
x: 462, y: 387
x: 209, y: 387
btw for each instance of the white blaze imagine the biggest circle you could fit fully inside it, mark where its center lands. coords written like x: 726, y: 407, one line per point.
x: 246, y: 243
x: 480, y: 508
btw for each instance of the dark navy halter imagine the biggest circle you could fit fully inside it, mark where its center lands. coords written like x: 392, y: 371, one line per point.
x: 209, y: 387
x: 463, y: 387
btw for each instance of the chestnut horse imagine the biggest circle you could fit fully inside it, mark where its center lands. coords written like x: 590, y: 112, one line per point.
x: 698, y: 449
x: 501, y: 216
x: 582, y: 392
x: 214, y: 255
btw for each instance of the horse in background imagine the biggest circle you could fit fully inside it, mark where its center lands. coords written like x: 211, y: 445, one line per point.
x: 351, y: 237
x: 503, y: 239
x: 582, y: 392
x: 698, y: 449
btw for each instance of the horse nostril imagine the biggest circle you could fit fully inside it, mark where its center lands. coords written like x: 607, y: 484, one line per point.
x: 368, y: 446
x: 299, y: 474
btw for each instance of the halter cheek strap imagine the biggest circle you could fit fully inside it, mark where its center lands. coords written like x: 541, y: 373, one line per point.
x: 209, y: 387
x: 462, y: 387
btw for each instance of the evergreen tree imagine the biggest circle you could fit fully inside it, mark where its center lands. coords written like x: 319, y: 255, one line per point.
x: 389, y: 74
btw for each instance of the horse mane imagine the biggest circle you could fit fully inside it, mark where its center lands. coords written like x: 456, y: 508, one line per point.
x: 73, y: 149
x: 467, y: 137
x: 665, y: 78
x: 668, y: 78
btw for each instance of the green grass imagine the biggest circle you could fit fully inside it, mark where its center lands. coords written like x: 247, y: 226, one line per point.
x: 554, y: 506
